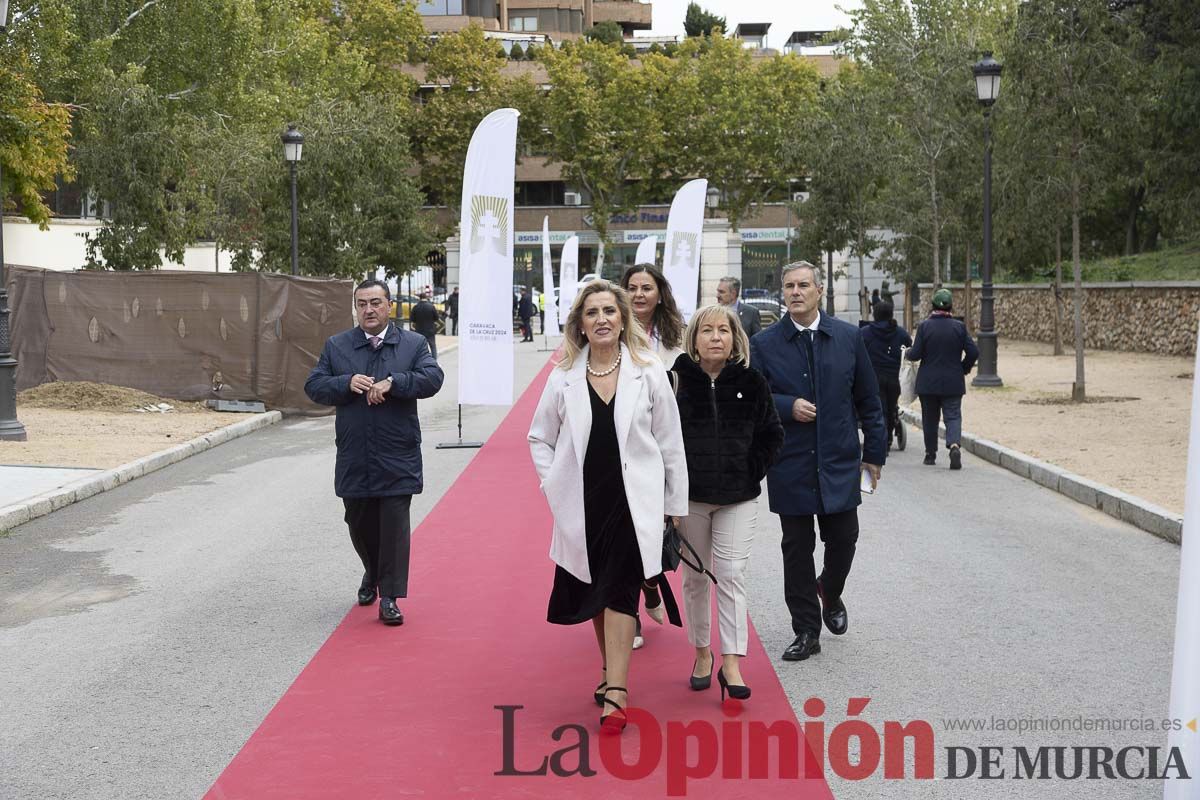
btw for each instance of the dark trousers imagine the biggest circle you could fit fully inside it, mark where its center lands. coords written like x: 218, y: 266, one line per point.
x: 380, y: 532
x: 839, y: 533
x: 933, y: 408
x: 889, y: 397
x: 453, y: 325
x: 432, y: 339
x: 527, y: 329
x: 542, y: 320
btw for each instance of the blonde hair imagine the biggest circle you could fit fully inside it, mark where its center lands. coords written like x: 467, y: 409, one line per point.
x: 632, y: 335
x: 741, y: 342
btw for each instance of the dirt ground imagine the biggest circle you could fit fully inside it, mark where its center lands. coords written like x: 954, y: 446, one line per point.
x: 1131, y: 435
x: 96, y: 425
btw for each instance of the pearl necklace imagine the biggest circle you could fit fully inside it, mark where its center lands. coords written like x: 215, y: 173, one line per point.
x: 608, y: 371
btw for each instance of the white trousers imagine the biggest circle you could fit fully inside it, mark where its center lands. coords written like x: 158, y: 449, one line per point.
x: 723, y: 537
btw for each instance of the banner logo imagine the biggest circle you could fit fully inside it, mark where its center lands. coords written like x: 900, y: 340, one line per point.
x: 683, y: 249
x: 489, y: 224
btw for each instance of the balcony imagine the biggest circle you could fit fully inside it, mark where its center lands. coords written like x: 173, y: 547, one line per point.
x: 631, y: 15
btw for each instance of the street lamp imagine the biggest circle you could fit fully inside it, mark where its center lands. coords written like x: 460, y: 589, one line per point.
x: 11, y: 430
x: 987, y: 89
x: 293, y: 145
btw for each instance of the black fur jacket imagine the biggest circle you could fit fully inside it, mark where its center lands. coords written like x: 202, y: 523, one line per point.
x: 731, y: 431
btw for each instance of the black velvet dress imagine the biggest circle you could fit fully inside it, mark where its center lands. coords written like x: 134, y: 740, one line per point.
x: 613, y: 556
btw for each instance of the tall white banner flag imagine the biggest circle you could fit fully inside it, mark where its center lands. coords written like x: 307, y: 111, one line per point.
x: 550, y: 325
x: 1185, y: 680
x: 485, y: 344
x: 647, y: 250
x: 681, y: 257
x: 568, y: 278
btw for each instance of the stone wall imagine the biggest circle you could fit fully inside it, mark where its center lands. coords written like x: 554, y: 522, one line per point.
x: 1141, y: 317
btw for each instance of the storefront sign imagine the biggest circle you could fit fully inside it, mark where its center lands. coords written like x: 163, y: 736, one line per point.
x: 764, y: 234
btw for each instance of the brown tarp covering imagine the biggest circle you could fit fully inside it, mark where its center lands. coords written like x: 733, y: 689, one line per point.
x: 184, y: 335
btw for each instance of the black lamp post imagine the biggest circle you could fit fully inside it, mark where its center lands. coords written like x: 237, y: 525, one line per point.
x: 293, y: 146
x: 11, y: 430
x: 987, y: 88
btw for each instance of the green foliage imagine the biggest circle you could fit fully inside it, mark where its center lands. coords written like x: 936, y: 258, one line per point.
x: 516, y: 53
x: 466, y: 66
x: 698, y: 22
x: 606, y: 32
x: 34, y: 130
x: 730, y: 118
x: 359, y: 205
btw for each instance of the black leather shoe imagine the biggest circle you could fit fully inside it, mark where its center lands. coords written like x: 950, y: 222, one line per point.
x: 366, y: 595
x: 833, y: 612
x: 388, y: 613
x: 930, y: 459
x: 805, y: 645
x: 955, y: 458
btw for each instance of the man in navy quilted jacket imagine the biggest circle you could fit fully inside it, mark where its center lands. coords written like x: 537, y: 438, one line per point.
x: 373, y: 375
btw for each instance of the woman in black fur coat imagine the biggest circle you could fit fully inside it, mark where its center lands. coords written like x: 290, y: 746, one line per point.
x: 732, y: 434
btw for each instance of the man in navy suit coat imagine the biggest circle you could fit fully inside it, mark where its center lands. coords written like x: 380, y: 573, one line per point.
x: 825, y: 389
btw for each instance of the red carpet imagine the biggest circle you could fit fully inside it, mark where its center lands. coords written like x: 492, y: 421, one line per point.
x: 410, y: 711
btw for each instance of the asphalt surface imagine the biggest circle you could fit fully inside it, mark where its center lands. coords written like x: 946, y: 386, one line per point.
x: 145, y: 632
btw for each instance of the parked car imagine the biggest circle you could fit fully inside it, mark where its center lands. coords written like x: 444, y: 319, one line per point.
x: 770, y: 310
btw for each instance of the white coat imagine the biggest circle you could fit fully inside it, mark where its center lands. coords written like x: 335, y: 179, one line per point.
x: 652, y: 455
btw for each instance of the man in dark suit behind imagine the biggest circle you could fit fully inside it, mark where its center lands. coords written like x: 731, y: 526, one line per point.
x: 424, y: 317
x: 824, y: 389
x: 729, y: 289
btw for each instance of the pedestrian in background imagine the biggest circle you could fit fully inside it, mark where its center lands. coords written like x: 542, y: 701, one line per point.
x: 729, y: 290
x: 883, y: 339
x: 825, y: 390
x: 732, y: 434
x: 373, y: 375
x: 606, y: 444
x: 947, y: 354
x: 452, y: 311
x: 525, y: 312
x: 424, y: 318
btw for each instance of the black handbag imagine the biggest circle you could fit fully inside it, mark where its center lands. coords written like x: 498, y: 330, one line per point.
x: 672, y: 553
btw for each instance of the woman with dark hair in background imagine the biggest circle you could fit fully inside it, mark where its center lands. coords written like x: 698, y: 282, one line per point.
x: 884, y: 338
x: 654, y: 308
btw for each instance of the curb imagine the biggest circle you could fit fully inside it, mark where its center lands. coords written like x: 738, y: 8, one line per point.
x: 48, y: 502
x: 1117, y: 504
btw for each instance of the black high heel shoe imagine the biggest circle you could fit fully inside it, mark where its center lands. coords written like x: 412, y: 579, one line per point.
x: 736, y: 692
x: 599, y: 693
x: 702, y: 683
x: 616, y: 721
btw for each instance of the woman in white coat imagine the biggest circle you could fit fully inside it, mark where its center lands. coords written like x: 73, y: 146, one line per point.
x: 607, y: 447
x: 655, y: 310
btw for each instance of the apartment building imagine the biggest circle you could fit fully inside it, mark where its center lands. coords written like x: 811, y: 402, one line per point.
x: 559, y: 19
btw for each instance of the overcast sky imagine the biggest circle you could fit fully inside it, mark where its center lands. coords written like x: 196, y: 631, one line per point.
x: 785, y: 16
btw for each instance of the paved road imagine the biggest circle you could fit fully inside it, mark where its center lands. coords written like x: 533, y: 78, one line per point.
x: 145, y: 633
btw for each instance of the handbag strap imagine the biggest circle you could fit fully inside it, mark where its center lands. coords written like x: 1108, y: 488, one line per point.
x: 697, y: 566
x: 668, y: 599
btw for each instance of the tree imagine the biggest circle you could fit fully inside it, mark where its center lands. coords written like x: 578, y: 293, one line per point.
x: 698, y: 22
x: 465, y: 68
x: 517, y: 53
x: 730, y: 117
x: 920, y: 57
x: 359, y: 203
x: 605, y: 125
x: 607, y: 32
x: 34, y: 132
x: 1068, y: 70
x: 842, y: 141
